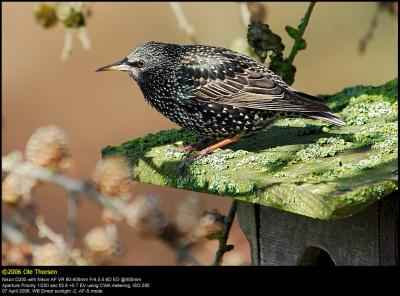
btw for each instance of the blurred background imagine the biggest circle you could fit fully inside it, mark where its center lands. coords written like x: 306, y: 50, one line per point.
x: 99, y: 109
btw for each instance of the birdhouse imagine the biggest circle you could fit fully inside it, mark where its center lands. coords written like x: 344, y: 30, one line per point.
x: 282, y: 238
x: 308, y: 193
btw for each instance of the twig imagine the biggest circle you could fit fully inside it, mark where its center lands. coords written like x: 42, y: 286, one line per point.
x: 183, y: 22
x: 12, y: 233
x: 58, y: 241
x: 370, y: 33
x: 182, y: 250
x: 392, y: 9
x: 11, y: 163
x: 302, y: 27
x: 84, y: 38
x: 183, y: 254
x: 45, y: 231
x: 245, y: 13
x: 72, y: 218
x: 68, y: 44
x: 25, y: 216
x: 223, y: 247
x: 24, y: 213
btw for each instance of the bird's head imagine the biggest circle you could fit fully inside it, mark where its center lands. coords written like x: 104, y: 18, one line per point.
x: 149, y: 57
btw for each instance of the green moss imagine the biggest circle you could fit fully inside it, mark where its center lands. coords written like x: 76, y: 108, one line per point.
x: 324, y: 147
x: 361, y: 198
x: 360, y: 113
x: 338, y: 101
x: 174, y: 136
x: 299, y: 165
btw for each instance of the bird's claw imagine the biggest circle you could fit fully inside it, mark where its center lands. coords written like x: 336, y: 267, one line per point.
x: 187, y: 161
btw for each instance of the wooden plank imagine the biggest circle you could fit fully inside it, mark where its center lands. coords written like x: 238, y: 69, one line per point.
x: 299, y: 165
x: 248, y: 218
x: 351, y: 241
x: 388, y: 230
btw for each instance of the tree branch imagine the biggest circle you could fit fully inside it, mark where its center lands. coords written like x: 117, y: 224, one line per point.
x: 223, y: 247
x: 58, y: 240
x: 183, y: 254
x: 302, y: 27
x: 12, y: 163
x: 72, y: 218
x: 183, y: 22
x: 245, y: 13
x: 45, y: 231
x: 12, y: 233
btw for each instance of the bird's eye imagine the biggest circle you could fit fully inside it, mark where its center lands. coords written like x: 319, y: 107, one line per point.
x: 137, y: 64
x: 140, y: 64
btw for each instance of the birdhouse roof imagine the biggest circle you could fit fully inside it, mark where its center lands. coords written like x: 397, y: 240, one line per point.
x: 302, y: 166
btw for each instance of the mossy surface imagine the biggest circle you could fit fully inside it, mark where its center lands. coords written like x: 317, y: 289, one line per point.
x: 299, y: 165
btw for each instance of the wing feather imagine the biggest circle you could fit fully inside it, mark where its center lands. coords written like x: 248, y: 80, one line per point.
x: 226, y: 77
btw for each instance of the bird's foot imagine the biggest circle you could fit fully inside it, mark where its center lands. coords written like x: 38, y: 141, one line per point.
x: 201, y: 144
x: 191, y: 158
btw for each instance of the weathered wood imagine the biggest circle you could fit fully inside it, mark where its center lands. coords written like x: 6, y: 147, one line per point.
x: 299, y: 165
x: 388, y: 230
x: 282, y: 238
x: 248, y: 218
x: 352, y: 241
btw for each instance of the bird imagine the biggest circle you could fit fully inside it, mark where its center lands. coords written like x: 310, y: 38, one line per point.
x: 217, y: 93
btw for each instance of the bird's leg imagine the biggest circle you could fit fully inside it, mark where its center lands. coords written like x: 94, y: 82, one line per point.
x: 201, y: 144
x: 205, y: 151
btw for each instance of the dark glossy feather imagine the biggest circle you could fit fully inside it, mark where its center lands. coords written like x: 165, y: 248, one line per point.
x: 216, y: 92
x: 229, y: 78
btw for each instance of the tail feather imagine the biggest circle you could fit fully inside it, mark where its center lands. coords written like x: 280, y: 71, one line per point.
x: 326, y: 116
x: 312, y: 101
x: 322, y: 114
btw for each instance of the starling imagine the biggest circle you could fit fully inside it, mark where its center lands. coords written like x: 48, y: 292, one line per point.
x: 217, y: 93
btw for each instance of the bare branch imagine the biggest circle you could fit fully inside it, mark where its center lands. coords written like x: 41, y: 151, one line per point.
x: 72, y: 217
x: 84, y: 38
x: 245, y: 13
x: 183, y: 22
x: 12, y: 163
x: 223, y: 246
x: 68, y: 44
x: 58, y: 240
x: 45, y: 231
x: 12, y: 233
x: 302, y: 27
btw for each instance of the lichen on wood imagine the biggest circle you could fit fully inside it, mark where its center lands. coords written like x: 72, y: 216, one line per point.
x: 303, y: 166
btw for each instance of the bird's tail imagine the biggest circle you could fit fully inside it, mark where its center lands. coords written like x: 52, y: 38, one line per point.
x: 320, y: 111
x: 326, y: 116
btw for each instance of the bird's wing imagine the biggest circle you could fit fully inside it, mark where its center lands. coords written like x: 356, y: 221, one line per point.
x: 256, y: 91
x: 239, y: 82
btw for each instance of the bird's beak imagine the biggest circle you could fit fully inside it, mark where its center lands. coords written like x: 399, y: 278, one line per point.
x: 117, y: 66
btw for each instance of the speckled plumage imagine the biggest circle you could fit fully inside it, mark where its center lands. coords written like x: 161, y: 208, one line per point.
x: 216, y: 92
